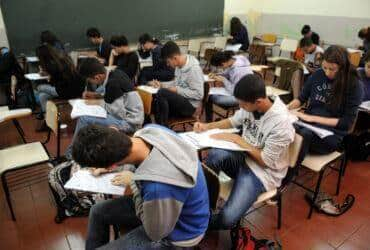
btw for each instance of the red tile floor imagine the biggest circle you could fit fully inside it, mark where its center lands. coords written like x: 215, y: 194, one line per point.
x: 35, y: 227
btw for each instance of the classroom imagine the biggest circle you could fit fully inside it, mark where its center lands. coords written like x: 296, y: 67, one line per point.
x: 172, y: 124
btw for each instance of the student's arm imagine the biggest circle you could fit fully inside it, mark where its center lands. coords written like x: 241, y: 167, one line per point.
x: 6, y: 63
x: 132, y: 65
x: 195, y: 85
x: 157, y: 208
x: 296, y: 103
x: 223, y: 124
x: 111, y: 58
x: 304, y: 96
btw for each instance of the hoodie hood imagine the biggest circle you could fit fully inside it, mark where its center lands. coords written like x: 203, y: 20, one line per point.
x: 171, y: 160
x: 191, y: 61
x: 237, y: 71
x: 241, y: 61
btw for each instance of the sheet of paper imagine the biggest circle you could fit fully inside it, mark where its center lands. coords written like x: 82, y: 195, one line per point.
x: 275, y: 91
x: 32, y: 59
x: 258, y: 68
x: 219, y: 91
x: 365, y: 105
x: 35, y: 77
x: 234, y: 48
x: 148, y: 89
x: 320, y: 132
x: 80, y: 108
x: 83, y: 180
x: 350, y: 50
x: 203, y: 140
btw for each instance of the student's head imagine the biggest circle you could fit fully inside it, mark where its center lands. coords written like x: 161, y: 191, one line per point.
x: 250, y: 92
x: 94, y: 36
x: 172, y: 54
x: 120, y: 44
x: 307, y: 45
x: 367, y: 64
x: 306, y: 30
x: 364, y: 34
x: 48, y: 37
x: 100, y: 146
x: 93, y: 71
x: 318, y: 59
x: 235, y: 25
x: 147, y: 42
x: 338, y: 68
x: 49, y: 57
x: 223, y: 59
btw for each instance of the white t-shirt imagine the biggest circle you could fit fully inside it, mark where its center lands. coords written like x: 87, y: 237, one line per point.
x: 272, y: 133
x: 310, y: 58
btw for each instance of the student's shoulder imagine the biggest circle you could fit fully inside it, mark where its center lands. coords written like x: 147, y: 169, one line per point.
x: 157, y: 190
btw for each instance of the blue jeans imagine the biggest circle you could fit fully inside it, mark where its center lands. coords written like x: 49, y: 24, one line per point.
x: 46, y: 92
x: 221, y: 100
x: 245, y: 191
x: 83, y: 121
x: 118, y: 212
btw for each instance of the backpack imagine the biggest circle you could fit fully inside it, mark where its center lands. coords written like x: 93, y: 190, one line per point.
x: 242, y: 239
x: 69, y: 203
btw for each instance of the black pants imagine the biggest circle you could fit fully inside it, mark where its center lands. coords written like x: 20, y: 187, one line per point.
x: 314, y: 144
x: 148, y: 74
x: 169, y: 104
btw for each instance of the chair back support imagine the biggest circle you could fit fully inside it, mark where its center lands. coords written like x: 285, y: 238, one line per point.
x: 194, y: 46
x: 289, y: 45
x: 52, y: 116
x: 220, y: 42
x: 269, y: 38
x: 294, y: 150
x: 147, y: 99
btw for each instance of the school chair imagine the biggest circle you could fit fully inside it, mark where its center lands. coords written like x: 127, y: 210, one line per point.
x: 20, y: 157
x: 194, y: 47
x: 270, y: 196
x: 14, y: 115
x: 354, y: 57
x: 220, y: 42
x: 287, y: 46
x: 147, y: 99
x: 269, y: 38
x: 257, y: 54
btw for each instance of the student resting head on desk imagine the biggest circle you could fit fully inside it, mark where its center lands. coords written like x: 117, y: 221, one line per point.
x: 169, y: 207
x: 181, y: 97
x: 234, y: 68
x: 126, y: 60
x: 160, y: 70
x: 103, y: 47
x: 333, y: 94
x: 267, y: 133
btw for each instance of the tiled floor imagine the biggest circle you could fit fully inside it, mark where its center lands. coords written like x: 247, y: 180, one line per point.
x: 35, y: 227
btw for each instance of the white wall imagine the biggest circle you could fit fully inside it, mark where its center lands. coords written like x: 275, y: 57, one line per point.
x: 3, y: 37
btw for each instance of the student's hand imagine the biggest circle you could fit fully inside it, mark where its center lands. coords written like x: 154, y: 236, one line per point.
x: 101, y: 60
x: 219, y: 78
x: 155, y: 84
x: 88, y: 95
x: 114, y: 52
x: 98, y: 171
x: 172, y: 89
x: 123, y: 178
x: 92, y: 102
x: 302, y: 116
x: 200, y: 127
x: 235, y: 138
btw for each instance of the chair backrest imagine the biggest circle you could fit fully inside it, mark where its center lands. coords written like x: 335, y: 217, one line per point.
x: 294, y: 150
x: 52, y: 116
x: 194, y: 46
x: 269, y: 38
x: 213, y: 185
x: 147, y: 99
x: 199, y: 111
x: 220, y: 42
x: 354, y: 58
x: 289, y: 45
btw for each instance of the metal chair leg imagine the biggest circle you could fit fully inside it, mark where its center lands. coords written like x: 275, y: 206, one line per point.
x: 340, y: 174
x: 19, y: 129
x: 279, y: 204
x: 317, y: 190
x: 7, y: 195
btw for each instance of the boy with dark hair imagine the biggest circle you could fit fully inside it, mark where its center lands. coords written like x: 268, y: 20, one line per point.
x: 126, y: 60
x: 160, y: 70
x: 364, y: 74
x: 181, y: 97
x: 170, y: 197
x: 266, y: 135
x: 310, y: 49
x: 103, y: 50
x: 308, y: 33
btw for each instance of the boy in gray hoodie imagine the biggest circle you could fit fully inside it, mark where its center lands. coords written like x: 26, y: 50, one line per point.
x: 170, y: 197
x: 235, y: 67
x: 181, y: 97
x: 267, y: 133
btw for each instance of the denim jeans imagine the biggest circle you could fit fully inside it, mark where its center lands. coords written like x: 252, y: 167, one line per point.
x: 245, y: 191
x: 45, y: 93
x: 118, y: 212
x: 83, y: 121
x: 221, y: 100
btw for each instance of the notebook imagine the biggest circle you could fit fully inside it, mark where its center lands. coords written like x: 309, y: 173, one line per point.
x: 148, y: 89
x: 80, y: 108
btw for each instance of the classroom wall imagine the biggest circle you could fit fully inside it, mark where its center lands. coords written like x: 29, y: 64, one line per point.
x: 3, y: 37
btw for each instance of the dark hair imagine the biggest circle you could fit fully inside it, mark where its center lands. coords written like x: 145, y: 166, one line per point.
x: 305, y: 29
x: 305, y: 42
x: 91, y: 67
x: 118, y: 41
x: 169, y: 50
x: 49, y: 38
x: 221, y: 57
x: 364, y: 33
x: 346, y: 77
x: 93, y: 33
x: 250, y: 88
x: 367, y: 57
x: 144, y: 38
x: 235, y: 26
x: 100, y: 146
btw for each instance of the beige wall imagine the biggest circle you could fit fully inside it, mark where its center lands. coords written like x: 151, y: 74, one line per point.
x: 3, y: 37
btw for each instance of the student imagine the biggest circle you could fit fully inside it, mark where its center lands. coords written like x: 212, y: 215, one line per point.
x: 104, y: 48
x: 333, y: 94
x: 364, y: 35
x: 266, y: 133
x: 310, y: 49
x: 47, y: 37
x: 126, y: 60
x: 234, y: 68
x: 160, y: 70
x: 8, y: 65
x: 239, y: 33
x: 365, y: 76
x: 308, y: 33
x: 64, y: 81
x: 181, y: 97
x: 169, y: 206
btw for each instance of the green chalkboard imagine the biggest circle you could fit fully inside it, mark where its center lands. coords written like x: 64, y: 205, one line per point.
x: 69, y: 19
